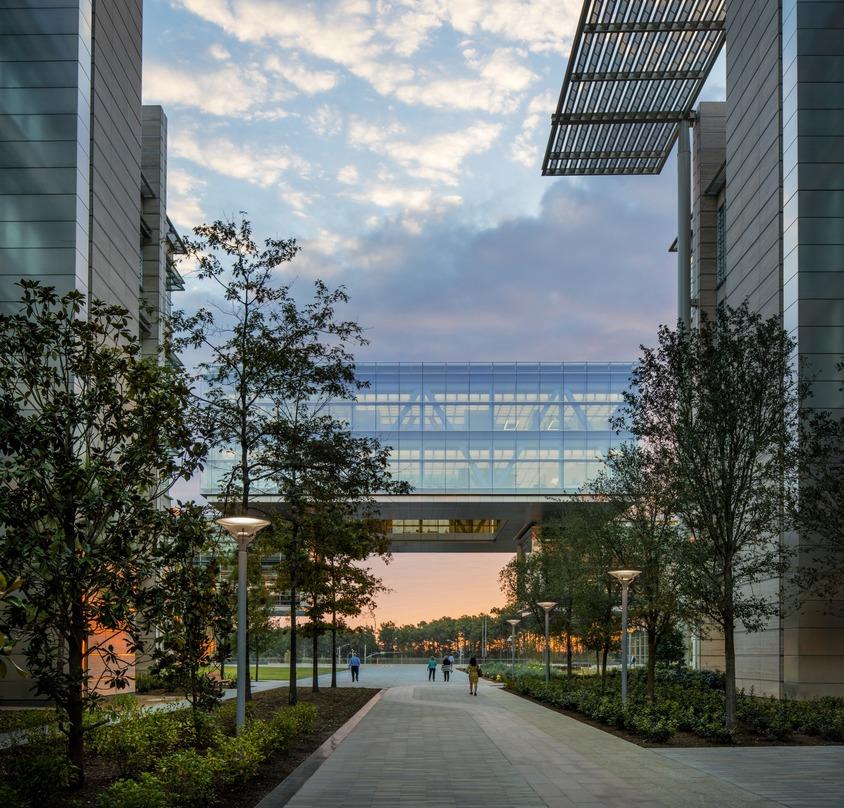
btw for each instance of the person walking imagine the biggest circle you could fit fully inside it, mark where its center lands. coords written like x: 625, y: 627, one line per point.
x: 474, y: 671
x: 447, y: 667
x: 432, y: 669
x: 354, y: 666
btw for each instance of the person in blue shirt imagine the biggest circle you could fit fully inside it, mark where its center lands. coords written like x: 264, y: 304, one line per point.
x: 354, y: 666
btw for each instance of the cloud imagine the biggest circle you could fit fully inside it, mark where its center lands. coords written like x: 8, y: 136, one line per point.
x: 243, y: 162
x: 228, y: 91
x: 184, y: 205
x: 526, y: 148
x: 301, y: 77
x: 438, y: 158
x: 342, y: 33
x: 497, y: 88
x: 217, y: 51
x: 561, y: 285
x: 540, y: 25
x: 348, y: 175
x: 373, y: 41
x: 326, y: 120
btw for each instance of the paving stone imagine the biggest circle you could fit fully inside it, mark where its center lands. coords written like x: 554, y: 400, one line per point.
x: 434, y: 745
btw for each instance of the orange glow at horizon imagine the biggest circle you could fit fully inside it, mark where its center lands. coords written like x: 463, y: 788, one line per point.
x: 425, y: 586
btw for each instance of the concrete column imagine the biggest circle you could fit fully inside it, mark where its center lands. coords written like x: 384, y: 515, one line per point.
x: 684, y: 213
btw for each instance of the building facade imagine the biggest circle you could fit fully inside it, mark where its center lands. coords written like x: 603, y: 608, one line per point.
x: 485, y: 446
x: 82, y: 163
x: 763, y: 223
x: 83, y: 169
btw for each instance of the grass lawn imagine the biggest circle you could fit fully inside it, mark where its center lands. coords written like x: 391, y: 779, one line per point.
x: 279, y: 673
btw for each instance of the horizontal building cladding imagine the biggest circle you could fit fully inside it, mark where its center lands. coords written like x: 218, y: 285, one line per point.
x: 485, y: 428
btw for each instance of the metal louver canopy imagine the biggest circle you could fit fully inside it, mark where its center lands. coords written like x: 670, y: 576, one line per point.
x: 635, y: 71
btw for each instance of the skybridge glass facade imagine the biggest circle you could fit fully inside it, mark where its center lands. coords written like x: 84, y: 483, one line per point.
x: 490, y: 428
x: 485, y: 428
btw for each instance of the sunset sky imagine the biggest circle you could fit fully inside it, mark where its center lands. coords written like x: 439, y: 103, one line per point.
x: 400, y: 141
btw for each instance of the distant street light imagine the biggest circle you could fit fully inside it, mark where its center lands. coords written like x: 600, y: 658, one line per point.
x: 625, y: 578
x: 513, y: 621
x: 242, y: 529
x: 547, y: 605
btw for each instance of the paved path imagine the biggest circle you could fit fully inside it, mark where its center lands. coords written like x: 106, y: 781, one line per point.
x: 434, y: 745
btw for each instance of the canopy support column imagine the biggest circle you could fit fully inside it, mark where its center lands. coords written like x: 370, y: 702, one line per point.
x: 684, y: 216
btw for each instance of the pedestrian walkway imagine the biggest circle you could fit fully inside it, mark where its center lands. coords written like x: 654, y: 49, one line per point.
x: 434, y: 745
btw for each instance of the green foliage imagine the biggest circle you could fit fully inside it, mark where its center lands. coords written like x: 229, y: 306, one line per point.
x: 718, y: 408
x: 37, y: 773
x: 92, y: 433
x: 134, y: 743
x: 145, y: 792
x: 188, y: 777
x: 226, y: 715
x: 12, y: 720
x: 238, y: 759
x: 179, y: 758
x: 146, y: 681
x: 190, y: 606
x: 686, y: 701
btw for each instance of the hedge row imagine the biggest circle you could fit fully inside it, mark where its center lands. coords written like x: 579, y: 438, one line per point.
x: 686, y: 701
x: 166, y: 759
x: 160, y: 774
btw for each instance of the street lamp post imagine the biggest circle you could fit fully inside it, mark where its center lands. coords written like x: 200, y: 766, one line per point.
x: 547, y: 605
x: 513, y: 621
x: 242, y: 530
x: 625, y: 578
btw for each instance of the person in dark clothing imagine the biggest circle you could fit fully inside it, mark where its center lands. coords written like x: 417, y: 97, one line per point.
x: 447, y: 666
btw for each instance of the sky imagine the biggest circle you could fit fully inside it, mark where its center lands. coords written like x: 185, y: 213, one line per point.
x: 400, y: 142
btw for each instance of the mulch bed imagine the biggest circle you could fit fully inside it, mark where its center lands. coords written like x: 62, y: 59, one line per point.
x: 680, y: 740
x: 335, y: 706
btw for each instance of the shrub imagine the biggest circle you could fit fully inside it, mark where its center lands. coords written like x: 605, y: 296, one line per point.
x: 38, y: 771
x: 145, y: 681
x: 225, y: 715
x: 236, y: 759
x: 197, y: 729
x: 134, y: 743
x: 187, y: 777
x: 146, y: 792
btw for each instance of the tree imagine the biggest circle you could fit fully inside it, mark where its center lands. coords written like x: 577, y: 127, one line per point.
x: 245, y: 343
x: 243, y: 346
x: 594, y: 535
x: 327, y: 479
x: 719, y: 407
x: 189, y: 605
x: 649, y: 538
x: 351, y: 587
x: 270, y: 360
x: 91, y: 435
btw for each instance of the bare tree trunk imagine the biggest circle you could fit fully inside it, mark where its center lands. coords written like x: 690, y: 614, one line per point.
x: 730, y: 672
x: 315, y: 664
x: 76, y: 667
x: 293, y: 695
x: 651, y: 685
x: 568, y: 653
x: 605, y: 652
x: 334, y: 649
x: 257, y: 655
